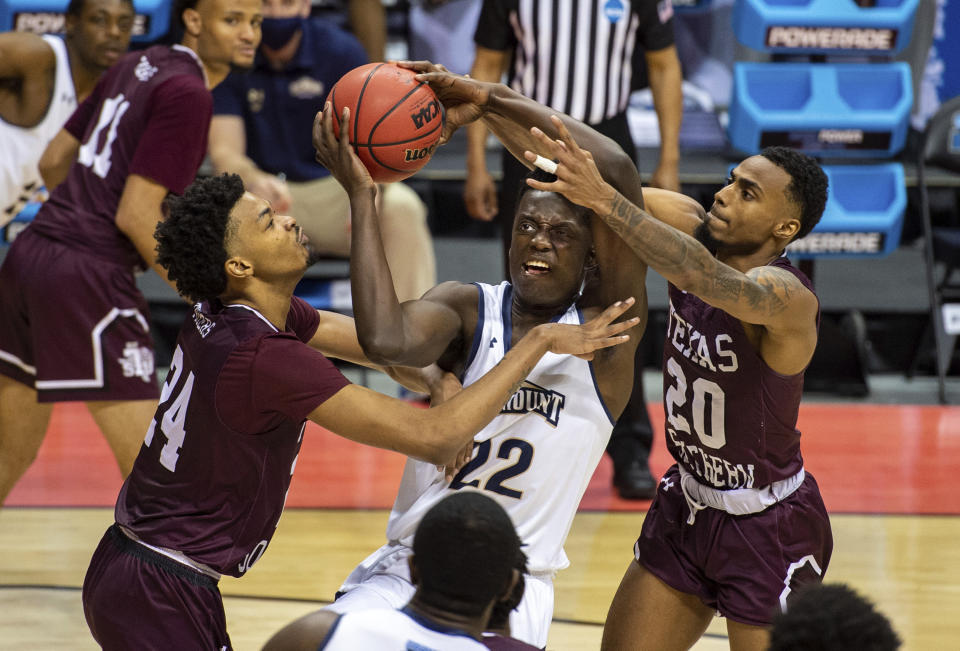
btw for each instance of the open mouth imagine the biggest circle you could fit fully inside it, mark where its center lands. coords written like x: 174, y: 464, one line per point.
x: 536, y: 267
x: 302, y: 238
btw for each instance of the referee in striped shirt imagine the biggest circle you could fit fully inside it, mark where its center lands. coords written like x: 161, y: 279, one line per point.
x: 576, y: 57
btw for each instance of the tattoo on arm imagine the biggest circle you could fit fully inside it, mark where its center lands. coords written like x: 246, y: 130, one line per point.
x: 690, y: 266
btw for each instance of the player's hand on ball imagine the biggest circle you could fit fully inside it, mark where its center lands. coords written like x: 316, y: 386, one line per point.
x: 337, y: 154
x: 464, y: 99
x: 599, y: 332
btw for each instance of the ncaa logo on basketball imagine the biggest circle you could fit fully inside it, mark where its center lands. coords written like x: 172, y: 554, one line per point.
x: 425, y: 115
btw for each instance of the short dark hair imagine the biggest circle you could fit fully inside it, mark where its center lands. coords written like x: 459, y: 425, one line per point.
x: 807, y: 187
x: 75, y: 8
x: 538, y: 174
x: 465, y: 550
x: 191, y: 239
x: 831, y: 618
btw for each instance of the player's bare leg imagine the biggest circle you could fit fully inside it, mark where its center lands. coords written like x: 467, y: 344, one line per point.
x: 646, y: 613
x: 23, y: 424
x: 124, y: 424
x: 744, y: 637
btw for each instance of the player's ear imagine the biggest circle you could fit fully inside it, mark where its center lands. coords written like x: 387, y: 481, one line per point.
x: 590, y: 264
x: 238, y: 268
x: 786, y: 229
x: 70, y: 26
x: 192, y: 22
x: 514, y: 578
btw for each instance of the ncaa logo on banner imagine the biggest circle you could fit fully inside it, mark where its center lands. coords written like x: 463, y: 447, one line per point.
x: 614, y: 10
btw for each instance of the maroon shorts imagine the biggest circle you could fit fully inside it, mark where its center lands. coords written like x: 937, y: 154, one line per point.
x: 744, y: 566
x: 136, y: 598
x: 73, y: 326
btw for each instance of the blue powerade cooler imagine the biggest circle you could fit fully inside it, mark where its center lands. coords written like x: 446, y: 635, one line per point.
x: 863, y: 216
x: 844, y: 109
x: 824, y: 26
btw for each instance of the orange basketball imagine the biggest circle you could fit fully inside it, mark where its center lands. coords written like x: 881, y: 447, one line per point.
x: 395, y: 120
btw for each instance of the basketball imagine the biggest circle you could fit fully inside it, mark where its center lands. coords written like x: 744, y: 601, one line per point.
x: 395, y: 120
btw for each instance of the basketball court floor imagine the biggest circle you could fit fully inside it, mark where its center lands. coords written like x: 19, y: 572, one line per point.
x: 888, y: 472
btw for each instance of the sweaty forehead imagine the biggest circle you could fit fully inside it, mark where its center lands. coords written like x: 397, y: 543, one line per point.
x: 247, y: 209
x: 768, y: 175
x: 551, y: 207
x: 91, y: 6
x: 221, y: 7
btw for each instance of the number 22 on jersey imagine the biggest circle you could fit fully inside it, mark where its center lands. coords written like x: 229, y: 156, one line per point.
x: 496, y: 481
x: 172, y: 413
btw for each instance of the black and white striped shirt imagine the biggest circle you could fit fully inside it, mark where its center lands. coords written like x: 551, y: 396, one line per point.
x: 575, y: 55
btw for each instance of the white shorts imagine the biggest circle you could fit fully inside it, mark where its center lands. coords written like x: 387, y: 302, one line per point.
x: 382, y: 580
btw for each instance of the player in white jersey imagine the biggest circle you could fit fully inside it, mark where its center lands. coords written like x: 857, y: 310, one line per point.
x: 466, y: 555
x: 42, y: 79
x: 537, y: 457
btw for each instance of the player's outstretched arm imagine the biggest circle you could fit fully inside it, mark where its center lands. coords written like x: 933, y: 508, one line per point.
x: 763, y: 296
x: 678, y: 210
x: 414, y: 333
x: 336, y: 336
x: 438, y: 434
x: 509, y: 115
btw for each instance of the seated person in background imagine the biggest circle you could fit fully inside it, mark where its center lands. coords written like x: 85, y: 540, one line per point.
x: 42, y: 79
x: 257, y: 132
x: 832, y: 617
x: 464, y: 564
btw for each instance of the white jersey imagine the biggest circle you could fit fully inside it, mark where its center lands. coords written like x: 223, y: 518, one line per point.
x: 20, y: 180
x: 536, y: 458
x: 395, y: 630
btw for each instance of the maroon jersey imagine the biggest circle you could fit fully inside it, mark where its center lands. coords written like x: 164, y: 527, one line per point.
x: 213, y: 474
x: 730, y: 419
x: 148, y: 115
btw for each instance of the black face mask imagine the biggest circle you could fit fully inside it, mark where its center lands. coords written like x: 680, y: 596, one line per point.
x: 277, y: 32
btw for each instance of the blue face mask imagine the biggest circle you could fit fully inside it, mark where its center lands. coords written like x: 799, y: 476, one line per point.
x: 277, y: 32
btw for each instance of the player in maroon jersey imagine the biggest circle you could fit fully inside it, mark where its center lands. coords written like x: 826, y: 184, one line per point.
x: 737, y: 524
x: 209, y: 484
x: 73, y: 324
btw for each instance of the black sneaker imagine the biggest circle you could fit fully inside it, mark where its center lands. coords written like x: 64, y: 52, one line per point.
x: 635, y: 482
